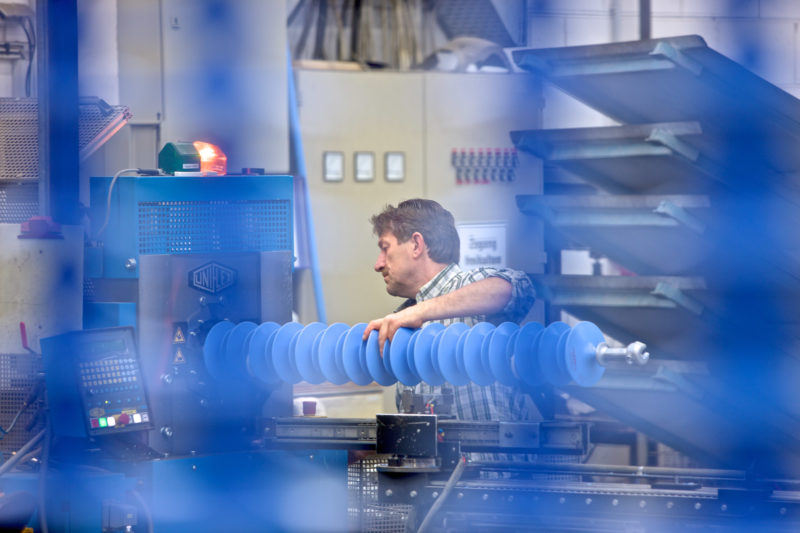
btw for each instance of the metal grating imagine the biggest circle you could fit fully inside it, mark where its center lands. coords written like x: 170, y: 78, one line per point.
x: 183, y: 227
x: 475, y: 18
x: 18, y: 202
x: 98, y: 122
x: 19, y: 133
x: 19, y: 139
x: 17, y: 378
x: 364, y: 510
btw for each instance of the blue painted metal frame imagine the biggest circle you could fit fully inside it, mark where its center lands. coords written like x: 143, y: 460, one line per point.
x: 188, y: 197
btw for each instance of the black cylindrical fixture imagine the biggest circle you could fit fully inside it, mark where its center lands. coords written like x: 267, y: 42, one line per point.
x: 645, y: 32
x: 57, y: 70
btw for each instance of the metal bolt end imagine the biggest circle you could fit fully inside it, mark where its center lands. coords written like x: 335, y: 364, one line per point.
x: 698, y: 506
x: 166, y: 431
x: 615, y: 502
x: 670, y: 505
x: 130, y: 263
x: 783, y: 510
x: 166, y: 379
x: 642, y: 504
x: 637, y: 353
x: 485, y: 497
x: 412, y: 494
x: 588, y: 501
x: 460, y: 496
x: 388, y: 492
x: 435, y: 495
x: 723, y: 507
x: 562, y: 500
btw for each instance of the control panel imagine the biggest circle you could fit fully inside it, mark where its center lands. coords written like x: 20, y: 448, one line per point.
x: 103, y: 365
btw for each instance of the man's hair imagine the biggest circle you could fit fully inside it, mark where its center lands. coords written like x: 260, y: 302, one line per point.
x: 434, y: 222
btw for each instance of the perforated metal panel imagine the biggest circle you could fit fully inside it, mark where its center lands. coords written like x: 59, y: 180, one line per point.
x: 364, y: 510
x: 18, y: 202
x: 19, y: 133
x: 183, y: 227
x: 166, y: 215
x: 17, y: 379
x: 19, y: 138
x: 98, y: 122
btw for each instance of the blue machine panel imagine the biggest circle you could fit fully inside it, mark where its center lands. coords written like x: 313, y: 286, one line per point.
x: 188, y: 215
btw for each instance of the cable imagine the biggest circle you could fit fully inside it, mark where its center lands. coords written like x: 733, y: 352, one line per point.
x: 43, y: 477
x: 30, y: 35
x: 143, y: 171
x: 31, y: 50
x: 22, y: 452
x: 4, y: 432
x: 32, y: 395
x: 448, y: 488
x: 147, y: 514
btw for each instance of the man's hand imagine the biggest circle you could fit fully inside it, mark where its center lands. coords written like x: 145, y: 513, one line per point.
x: 410, y: 317
x: 483, y: 297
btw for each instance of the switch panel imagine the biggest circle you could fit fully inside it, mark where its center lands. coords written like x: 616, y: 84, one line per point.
x: 484, y: 165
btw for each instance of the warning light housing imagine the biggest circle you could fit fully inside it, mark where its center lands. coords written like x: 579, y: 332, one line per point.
x: 198, y: 158
x: 213, y: 161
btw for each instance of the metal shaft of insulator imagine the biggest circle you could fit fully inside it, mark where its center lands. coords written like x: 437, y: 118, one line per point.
x: 457, y: 354
x: 634, y: 353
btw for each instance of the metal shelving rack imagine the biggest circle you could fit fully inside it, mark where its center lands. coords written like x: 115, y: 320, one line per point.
x: 695, y: 193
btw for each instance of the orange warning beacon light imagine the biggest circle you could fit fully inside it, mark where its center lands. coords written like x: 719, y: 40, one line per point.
x: 213, y: 161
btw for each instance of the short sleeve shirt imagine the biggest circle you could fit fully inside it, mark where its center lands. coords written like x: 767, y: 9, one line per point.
x: 473, y: 402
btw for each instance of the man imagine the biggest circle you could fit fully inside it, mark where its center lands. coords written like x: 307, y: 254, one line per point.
x: 418, y: 259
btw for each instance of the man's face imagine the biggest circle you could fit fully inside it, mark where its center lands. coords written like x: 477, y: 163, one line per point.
x: 396, y: 264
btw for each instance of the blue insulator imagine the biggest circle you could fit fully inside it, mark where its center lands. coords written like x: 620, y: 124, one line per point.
x: 547, y: 350
x: 457, y: 354
x: 451, y: 350
x: 329, y: 354
x: 259, y: 354
x: 283, y: 352
x: 354, y: 355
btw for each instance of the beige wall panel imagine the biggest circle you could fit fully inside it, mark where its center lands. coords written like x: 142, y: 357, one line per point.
x: 140, y: 79
x: 425, y: 116
x: 42, y: 281
x: 349, y: 112
x: 474, y: 111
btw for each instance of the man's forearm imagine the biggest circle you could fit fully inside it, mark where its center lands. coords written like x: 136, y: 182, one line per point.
x: 485, y: 297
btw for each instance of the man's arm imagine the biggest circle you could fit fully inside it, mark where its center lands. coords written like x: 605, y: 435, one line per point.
x: 484, y: 297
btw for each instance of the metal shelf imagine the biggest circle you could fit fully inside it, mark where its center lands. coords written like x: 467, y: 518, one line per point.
x: 710, y: 151
x: 647, y: 234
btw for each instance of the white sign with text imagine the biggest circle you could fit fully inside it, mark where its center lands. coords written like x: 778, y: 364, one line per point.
x: 482, y: 245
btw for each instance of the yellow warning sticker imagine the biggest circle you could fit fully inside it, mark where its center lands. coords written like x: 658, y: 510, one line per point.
x: 178, y: 338
x: 179, y: 358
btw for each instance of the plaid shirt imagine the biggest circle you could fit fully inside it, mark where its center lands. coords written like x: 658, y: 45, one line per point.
x: 473, y: 402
